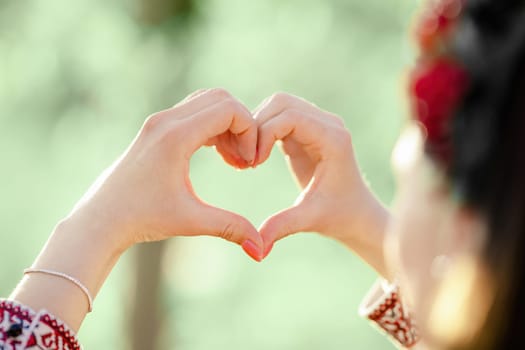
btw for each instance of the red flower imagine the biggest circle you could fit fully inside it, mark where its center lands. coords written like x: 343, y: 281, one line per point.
x: 438, y: 84
x: 436, y: 90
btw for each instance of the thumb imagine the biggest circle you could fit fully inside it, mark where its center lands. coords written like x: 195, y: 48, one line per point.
x: 298, y: 218
x: 232, y: 227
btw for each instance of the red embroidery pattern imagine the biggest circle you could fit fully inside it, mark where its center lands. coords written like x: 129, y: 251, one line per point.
x: 391, y: 316
x: 12, y: 314
x: 40, y: 331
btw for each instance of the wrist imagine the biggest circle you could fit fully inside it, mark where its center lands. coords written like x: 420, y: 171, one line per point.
x: 87, y: 246
x: 104, y: 217
x: 85, y: 224
x: 82, y: 249
x: 363, y: 230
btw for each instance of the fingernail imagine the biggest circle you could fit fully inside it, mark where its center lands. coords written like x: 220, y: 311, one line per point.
x: 268, y: 250
x: 252, y: 250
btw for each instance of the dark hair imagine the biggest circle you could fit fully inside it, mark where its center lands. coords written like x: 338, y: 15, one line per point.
x: 488, y: 164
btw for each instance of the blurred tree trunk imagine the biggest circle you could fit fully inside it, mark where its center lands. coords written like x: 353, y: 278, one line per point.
x: 146, y: 315
x: 157, y: 11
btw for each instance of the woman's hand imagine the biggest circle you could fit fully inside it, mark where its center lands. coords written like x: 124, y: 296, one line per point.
x: 335, y: 200
x: 147, y: 194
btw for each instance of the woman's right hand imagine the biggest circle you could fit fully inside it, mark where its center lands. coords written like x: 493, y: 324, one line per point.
x: 147, y: 194
x: 335, y: 201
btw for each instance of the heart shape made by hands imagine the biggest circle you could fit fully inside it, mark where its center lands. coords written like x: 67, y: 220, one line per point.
x: 266, y: 189
x: 319, y: 152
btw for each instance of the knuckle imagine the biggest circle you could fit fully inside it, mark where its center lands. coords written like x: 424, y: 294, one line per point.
x: 232, y: 106
x: 176, y: 131
x: 193, y: 94
x: 341, y: 140
x: 163, y: 133
x: 228, y: 232
x: 226, y: 106
x: 287, y: 229
x: 152, y: 122
x: 264, y: 135
x: 220, y: 93
x: 290, y: 225
x: 337, y: 119
x: 279, y: 98
x: 291, y: 115
x: 198, y: 92
x: 229, y: 103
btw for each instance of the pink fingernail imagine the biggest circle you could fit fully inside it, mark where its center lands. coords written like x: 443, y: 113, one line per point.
x: 252, y: 250
x: 268, y: 250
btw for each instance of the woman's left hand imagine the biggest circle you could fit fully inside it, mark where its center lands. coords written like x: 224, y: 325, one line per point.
x: 146, y: 195
x: 335, y: 201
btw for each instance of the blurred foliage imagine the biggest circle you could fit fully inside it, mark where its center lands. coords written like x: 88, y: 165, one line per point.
x: 77, y: 79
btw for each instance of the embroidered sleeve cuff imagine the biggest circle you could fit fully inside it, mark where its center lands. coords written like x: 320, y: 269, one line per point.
x: 384, y: 307
x: 23, y: 328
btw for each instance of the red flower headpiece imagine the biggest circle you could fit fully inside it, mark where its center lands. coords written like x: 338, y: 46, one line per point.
x: 436, y: 24
x: 438, y: 83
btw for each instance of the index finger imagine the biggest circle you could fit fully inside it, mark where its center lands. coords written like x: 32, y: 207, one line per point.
x: 225, y: 115
x: 304, y: 128
x: 279, y: 102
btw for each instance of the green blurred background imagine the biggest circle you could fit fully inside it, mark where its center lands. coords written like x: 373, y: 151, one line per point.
x: 78, y: 78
